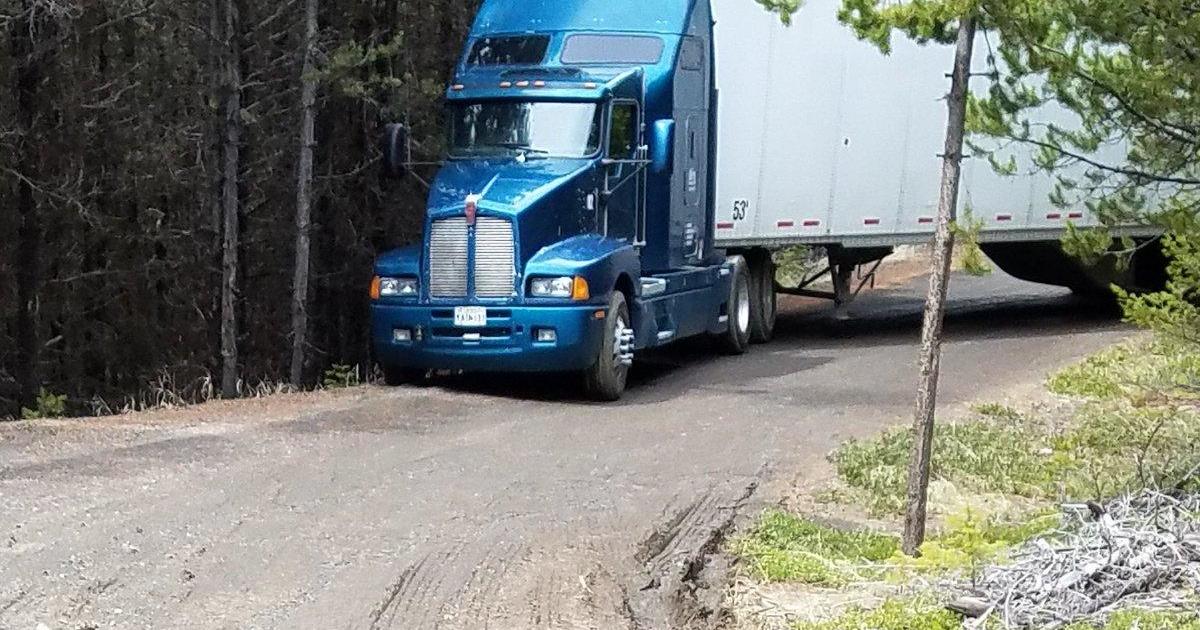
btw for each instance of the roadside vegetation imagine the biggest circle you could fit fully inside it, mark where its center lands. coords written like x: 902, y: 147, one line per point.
x: 1121, y: 422
x: 1129, y: 422
x: 1127, y: 419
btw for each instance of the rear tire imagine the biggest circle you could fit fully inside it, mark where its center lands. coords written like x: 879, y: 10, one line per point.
x: 764, y: 305
x: 605, y: 381
x: 394, y: 376
x: 736, y: 340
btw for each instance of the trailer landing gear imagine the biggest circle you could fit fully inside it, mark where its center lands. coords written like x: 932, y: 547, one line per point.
x: 850, y: 271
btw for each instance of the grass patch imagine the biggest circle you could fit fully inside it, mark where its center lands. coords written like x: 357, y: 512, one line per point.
x: 786, y: 548
x: 1108, y: 447
x: 1139, y: 620
x: 927, y: 614
x: 971, y: 541
x: 1131, y: 370
x: 1000, y: 455
x: 894, y: 614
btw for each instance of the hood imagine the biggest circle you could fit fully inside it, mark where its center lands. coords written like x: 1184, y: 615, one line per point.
x: 504, y: 185
x: 546, y: 199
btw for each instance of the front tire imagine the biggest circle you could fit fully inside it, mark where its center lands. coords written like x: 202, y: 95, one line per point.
x: 605, y: 381
x: 736, y: 340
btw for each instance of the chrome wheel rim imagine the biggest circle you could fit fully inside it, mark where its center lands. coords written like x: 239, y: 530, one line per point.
x: 618, y: 331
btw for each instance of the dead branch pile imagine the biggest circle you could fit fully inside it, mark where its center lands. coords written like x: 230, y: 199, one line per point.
x: 1139, y: 552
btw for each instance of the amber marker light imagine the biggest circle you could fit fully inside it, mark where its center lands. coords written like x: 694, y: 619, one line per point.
x: 376, y: 287
x: 581, y: 291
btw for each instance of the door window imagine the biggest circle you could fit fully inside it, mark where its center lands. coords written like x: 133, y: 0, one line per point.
x: 624, y: 180
x: 622, y: 134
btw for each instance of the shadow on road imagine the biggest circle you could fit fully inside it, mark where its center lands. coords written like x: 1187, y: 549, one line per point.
x: 809, y: 334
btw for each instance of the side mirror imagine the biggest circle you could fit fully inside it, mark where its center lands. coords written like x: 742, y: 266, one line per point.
x: 396, y: 154
x: 662, y: 143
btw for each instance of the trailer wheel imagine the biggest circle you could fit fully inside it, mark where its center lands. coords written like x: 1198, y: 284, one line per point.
x: 394, y: 376
x: 764, y: 305
x: 736, y: 340
x: 605, y: 381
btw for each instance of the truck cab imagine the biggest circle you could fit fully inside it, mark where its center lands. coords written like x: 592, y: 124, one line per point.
x: 571, y: 224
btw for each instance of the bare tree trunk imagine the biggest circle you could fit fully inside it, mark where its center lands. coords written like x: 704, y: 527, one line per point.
x: 29, y: 234
x: 935, y: 305
x: 304, y: 191
x: 231, y: 134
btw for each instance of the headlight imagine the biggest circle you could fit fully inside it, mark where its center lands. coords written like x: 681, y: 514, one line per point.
x: 562, y: 288
x: 398, y: 287
x: 552, y: 287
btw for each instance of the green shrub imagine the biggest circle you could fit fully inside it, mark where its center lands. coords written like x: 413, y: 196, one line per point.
x: 1174, y: 313
x: 794, y: 265
x: 999, y: 412
x: 971, y: 257
x: 1117, y: 447
x: 48, y: 406
x: 341, y: 376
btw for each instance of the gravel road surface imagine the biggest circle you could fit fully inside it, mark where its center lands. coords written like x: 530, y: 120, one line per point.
x: 482, y: 502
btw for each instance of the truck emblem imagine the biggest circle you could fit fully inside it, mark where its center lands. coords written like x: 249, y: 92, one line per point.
x: 472, y: 209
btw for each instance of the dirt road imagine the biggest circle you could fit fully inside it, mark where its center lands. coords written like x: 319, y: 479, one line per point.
x: 484, y: 502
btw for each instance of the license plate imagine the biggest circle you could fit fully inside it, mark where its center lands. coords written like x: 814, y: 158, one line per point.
x: 470, y: 317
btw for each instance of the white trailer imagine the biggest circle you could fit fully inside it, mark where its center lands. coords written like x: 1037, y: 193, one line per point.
x: 824, y: 141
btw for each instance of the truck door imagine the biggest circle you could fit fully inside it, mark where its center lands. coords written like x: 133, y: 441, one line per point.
x: 689, y: 221
x: 624, y: 177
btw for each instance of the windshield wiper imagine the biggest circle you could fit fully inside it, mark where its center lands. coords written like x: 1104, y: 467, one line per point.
x: 523, y: 148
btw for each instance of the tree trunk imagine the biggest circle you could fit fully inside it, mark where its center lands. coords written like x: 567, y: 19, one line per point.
x: 231, y: 134
x: 304, y: 192
x: 29, y: 233
x: 935, y: 305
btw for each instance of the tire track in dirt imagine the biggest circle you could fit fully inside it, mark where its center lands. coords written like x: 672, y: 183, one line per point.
x: 415, y: 594
x: 474, y: 603
x: 395, y: 595
x: 675, y: 555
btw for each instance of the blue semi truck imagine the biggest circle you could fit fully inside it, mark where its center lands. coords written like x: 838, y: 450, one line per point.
x: 619, y: 173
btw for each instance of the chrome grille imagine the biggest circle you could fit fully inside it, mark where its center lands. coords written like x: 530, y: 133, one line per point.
x: 448, y: 258
x: 495, y: 258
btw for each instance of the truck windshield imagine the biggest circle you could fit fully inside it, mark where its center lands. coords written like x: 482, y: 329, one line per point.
x: 530, y: 129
